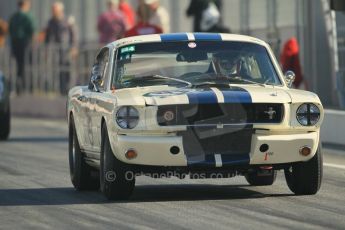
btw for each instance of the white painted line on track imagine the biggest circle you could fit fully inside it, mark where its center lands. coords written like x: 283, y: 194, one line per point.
x: 334, y: 166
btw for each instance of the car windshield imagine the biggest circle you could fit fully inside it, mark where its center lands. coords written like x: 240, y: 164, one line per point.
x: 188, y: 64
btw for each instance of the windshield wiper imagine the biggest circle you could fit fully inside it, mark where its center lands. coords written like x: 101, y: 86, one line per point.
x: 173, y: 79
x: 247, y: 81
x: 153, y: 77
x: 214, y: 84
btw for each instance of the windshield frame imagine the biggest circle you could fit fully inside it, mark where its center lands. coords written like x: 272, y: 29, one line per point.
x: 269, y: 54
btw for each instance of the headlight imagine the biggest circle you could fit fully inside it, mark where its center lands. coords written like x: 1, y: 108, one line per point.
x: 127, y: 117
x: 308, y: 114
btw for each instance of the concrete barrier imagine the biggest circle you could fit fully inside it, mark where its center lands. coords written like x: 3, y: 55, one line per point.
x: 333, y: 127
x: 51, y: 107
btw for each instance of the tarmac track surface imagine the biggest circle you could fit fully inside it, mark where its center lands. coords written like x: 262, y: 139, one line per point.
x: 36, y: 193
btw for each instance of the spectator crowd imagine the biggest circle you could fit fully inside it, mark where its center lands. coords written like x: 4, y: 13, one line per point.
x: 119, y: 20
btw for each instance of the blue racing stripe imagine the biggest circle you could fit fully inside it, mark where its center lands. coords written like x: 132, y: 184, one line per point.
x: 207, y: 37
x: 227, y: 160
x: 237, y: 95
x: 178, y: 37
x: 208, y: 161
x: 233, y: 160
x: 202, y: 97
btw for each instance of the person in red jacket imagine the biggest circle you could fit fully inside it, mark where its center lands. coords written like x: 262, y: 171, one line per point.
x: 289, y: 60
x: 143, y: 27
x: 128, y: 12
x: 111, y: 24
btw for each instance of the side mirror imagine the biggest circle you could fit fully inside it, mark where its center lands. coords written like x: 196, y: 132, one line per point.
x: 289, y: 78
x: 96, y: 81
x: 96, y: 78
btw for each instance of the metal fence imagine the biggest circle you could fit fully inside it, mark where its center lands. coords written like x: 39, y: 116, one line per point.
x: 48, y: 67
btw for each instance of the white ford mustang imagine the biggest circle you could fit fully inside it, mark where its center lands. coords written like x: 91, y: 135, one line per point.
x: 198, y: 105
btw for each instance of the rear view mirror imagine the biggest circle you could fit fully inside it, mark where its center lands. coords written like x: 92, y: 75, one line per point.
x: 192, y: 56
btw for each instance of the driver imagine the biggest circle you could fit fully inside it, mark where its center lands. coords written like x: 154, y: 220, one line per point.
x: 226, y: 63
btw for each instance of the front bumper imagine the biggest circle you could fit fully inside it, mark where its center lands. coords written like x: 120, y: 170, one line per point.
x: 156, y: 150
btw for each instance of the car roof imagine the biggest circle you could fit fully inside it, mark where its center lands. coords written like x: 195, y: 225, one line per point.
x: 180, y: 37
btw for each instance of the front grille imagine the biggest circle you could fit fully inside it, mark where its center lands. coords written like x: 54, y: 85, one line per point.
x: 214, y: 114
x: 208, y: 141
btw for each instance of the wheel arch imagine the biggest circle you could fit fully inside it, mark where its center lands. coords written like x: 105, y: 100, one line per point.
x: 70, y: 118
x: 103, y: 122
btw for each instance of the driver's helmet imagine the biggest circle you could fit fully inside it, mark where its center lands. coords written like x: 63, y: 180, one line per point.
x: 226, y: 62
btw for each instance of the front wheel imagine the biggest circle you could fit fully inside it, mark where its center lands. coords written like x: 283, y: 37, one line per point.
x: 116, y: 178
x: 82, y: 175
x: 304, y: 178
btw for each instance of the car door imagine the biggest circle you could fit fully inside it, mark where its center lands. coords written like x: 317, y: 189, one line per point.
x: 97, y: 97
x: 83, y: 118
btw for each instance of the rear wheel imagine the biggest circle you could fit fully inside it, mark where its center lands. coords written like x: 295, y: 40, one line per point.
x: 258, y: 178
x: 5, y: 123
x: 117, y: 179
x: 304, y: 178
x: 83, y: 176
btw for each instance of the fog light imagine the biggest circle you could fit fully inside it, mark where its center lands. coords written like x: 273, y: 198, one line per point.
x: 305, y: 151
x: 131, y: 154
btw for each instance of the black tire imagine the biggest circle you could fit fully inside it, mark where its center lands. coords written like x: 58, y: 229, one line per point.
x: 116, y: 178
x: 83, y: 176
x: 305, y: 178
x: 254, y: 179
x: 5, y: 123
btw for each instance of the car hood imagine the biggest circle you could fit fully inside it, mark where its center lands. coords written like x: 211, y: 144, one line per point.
x: 235, y: 94
x: 301, y: 96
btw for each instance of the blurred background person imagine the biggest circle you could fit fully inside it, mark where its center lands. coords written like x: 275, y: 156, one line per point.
x: 128, y: 13
x: 21, y: 29
x: 211, y: 20
x: 3, y: 32
x: 61, y: 35
x: 289, y: 60
x: 143, y: 27
x: 207, y: 16
x: 111, y: 24
x: 160, y: 16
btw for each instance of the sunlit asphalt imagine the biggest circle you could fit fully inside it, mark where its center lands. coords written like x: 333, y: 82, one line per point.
x: 36, y: 193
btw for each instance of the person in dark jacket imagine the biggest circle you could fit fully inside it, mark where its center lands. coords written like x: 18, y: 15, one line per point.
x: 196, y: 9
x: 21, y: 30
x: 61, y: 36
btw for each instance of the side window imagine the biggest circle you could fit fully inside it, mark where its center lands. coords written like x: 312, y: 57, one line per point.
x: 100, y: 68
